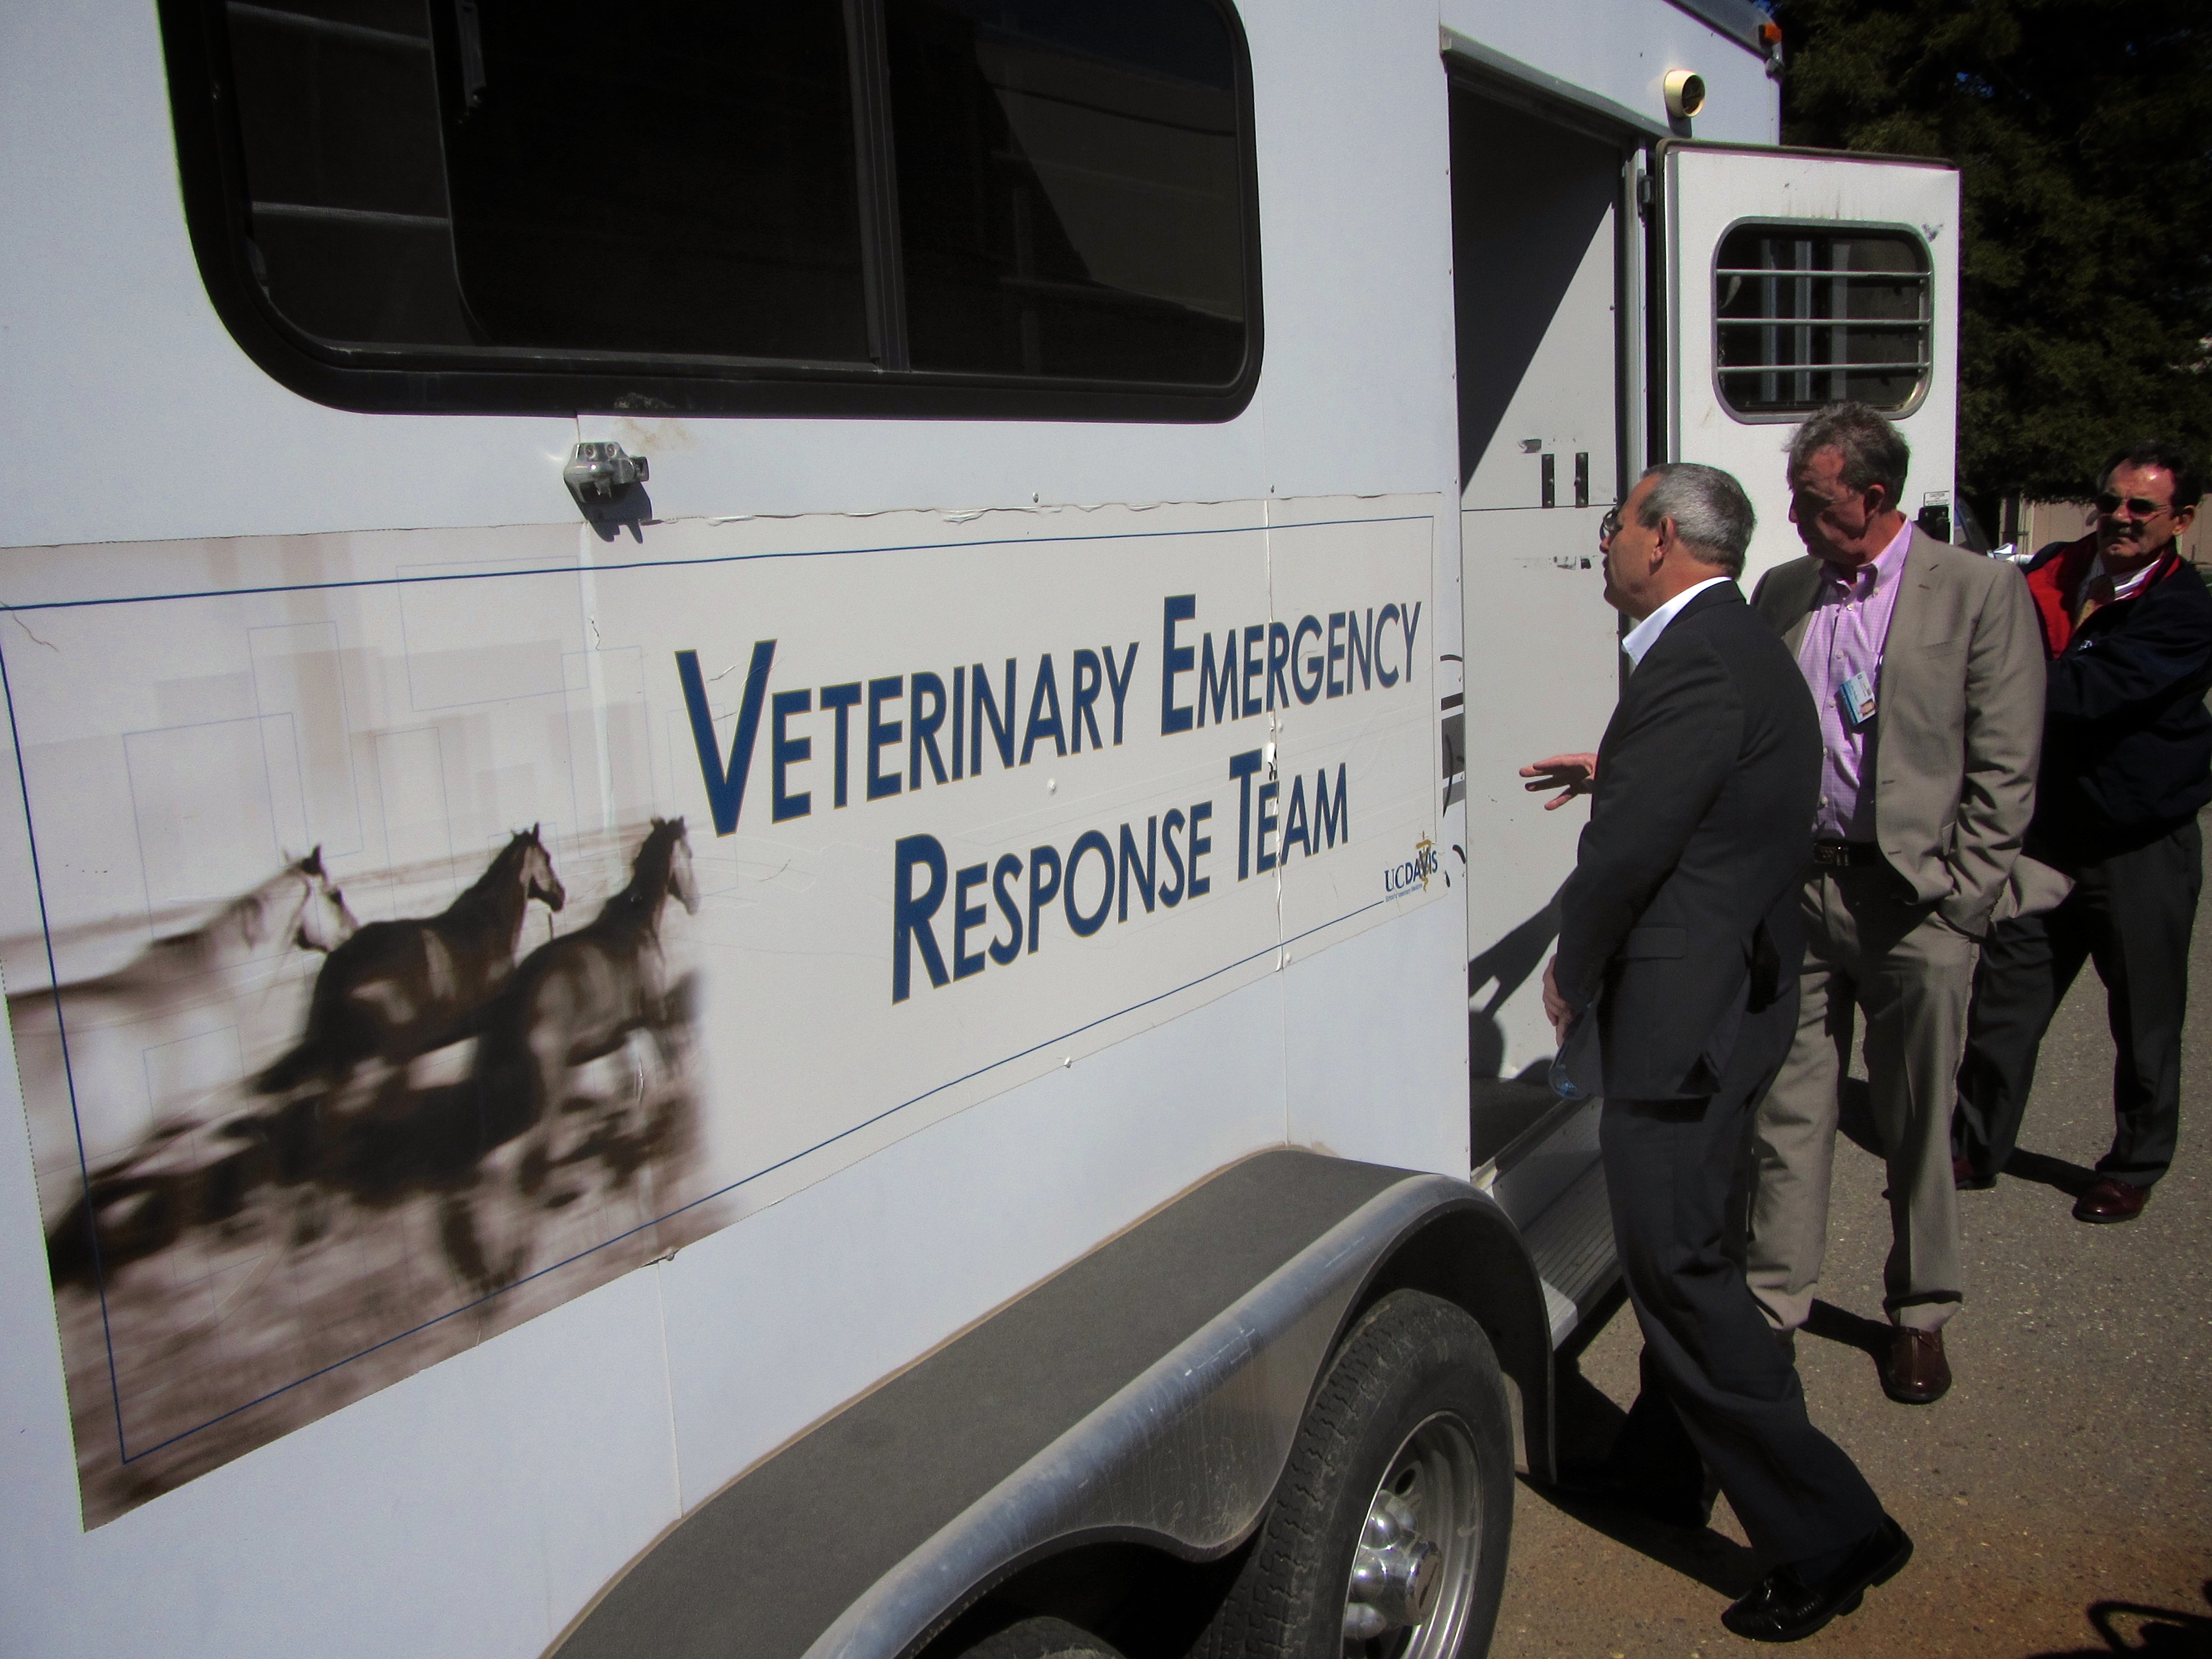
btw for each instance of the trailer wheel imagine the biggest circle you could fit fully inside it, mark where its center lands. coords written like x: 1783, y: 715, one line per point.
x: 1387, y: 1538
x: 1042, y: 1637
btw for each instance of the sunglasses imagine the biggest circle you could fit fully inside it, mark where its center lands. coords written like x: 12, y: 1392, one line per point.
x: 2110, y: 506
x: 1609, y: 525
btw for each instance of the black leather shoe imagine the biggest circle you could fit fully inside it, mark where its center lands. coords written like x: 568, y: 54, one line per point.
x: 1964, y: 1178
x: 2109, y: 1200
x: 1785, y: 1608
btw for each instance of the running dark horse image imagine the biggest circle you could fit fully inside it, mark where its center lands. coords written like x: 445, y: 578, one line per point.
x: 574, y: 1000
x: 398, y: 989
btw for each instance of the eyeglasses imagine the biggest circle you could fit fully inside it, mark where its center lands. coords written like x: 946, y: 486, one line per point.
x: 1810, y: 502
x: 1609, y: 526
x: 2110, y: 506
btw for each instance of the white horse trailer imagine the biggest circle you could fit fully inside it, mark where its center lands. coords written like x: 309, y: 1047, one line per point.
x: 758, y: 753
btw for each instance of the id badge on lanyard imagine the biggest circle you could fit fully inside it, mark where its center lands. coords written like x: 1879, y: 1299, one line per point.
x: 1857, y: 698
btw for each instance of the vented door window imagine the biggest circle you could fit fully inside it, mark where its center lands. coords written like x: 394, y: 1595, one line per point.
x: 1806, y: 315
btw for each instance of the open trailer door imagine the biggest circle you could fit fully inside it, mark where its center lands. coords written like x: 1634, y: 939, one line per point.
x: 1792, y: 278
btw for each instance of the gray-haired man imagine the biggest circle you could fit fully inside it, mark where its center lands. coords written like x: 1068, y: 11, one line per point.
x: 1926, y: 664
x: 1673, y: 995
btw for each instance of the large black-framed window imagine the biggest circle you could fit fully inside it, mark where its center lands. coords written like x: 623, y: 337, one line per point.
x: 1016, y: 209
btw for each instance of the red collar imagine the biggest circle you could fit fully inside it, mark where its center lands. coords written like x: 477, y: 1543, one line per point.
x: 2056, y: 585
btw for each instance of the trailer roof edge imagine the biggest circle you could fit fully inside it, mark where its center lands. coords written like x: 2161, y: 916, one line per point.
x: 1493, y: 64
x: 1739, y: 20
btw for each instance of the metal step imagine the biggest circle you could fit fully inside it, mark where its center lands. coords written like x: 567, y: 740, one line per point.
x: 1571, y: 1244
x: 1529, y: 1176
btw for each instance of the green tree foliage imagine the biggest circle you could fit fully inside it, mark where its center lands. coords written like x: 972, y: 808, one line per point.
x: 2082, y: 130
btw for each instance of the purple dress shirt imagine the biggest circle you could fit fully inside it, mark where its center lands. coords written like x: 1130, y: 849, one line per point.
x: 1844, y: 636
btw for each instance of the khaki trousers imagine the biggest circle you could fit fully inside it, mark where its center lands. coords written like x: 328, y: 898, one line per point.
x: 1868, y: 949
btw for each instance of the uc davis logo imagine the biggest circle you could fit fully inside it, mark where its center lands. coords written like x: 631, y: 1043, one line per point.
x: 1401, y: 878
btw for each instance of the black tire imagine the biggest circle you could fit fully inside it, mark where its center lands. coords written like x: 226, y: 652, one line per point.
x: 1416, y: 1375
x: 1042, y: 1637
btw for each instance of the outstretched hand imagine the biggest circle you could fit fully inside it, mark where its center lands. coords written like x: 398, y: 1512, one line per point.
x: 1571, y: 775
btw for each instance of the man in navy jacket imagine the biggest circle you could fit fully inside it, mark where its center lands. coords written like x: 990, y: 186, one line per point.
x: 2127, y: 761
x: 1675, y: 993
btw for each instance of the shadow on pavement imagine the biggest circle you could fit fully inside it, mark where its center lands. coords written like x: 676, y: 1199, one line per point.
x: 1833, y: 1324
x: 1585, y: 1418
x: 1855, y: 1123
x: 1716, y: 1562
x: 1587, y: 1421
x: 2070, y: 1179
x: 2129, y: 1628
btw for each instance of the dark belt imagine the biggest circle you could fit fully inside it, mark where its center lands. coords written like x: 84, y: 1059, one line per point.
x: 1845, y: 854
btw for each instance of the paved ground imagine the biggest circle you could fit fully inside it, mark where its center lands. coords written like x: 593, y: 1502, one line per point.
x: 2061, y: 1495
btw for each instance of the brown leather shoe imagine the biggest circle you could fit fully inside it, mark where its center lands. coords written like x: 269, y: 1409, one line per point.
x: 2112, y: 1200
x: 1916, y: 1374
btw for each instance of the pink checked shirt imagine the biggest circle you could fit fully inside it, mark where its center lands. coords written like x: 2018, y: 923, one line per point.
x: 1844, y: 636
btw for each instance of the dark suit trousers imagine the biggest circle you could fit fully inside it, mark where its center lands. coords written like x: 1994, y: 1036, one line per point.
x: 2131, y: 915
x: 1719, y: 1388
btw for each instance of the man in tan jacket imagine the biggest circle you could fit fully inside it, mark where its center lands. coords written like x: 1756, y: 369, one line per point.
x: 1926, y: 664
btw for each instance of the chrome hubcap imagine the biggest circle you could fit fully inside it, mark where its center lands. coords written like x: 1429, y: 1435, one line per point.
x: 1412, y: 1572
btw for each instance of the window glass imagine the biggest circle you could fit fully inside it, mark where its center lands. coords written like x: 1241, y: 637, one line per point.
x: 964, y: 206
x: 1069, y: 194
x: 337, y: 119
x: 1805, y: 316
x: 672, y: 177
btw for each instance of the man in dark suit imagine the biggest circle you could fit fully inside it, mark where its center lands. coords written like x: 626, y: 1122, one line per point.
x: 2127, y: 763
x: 1675, y: 994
